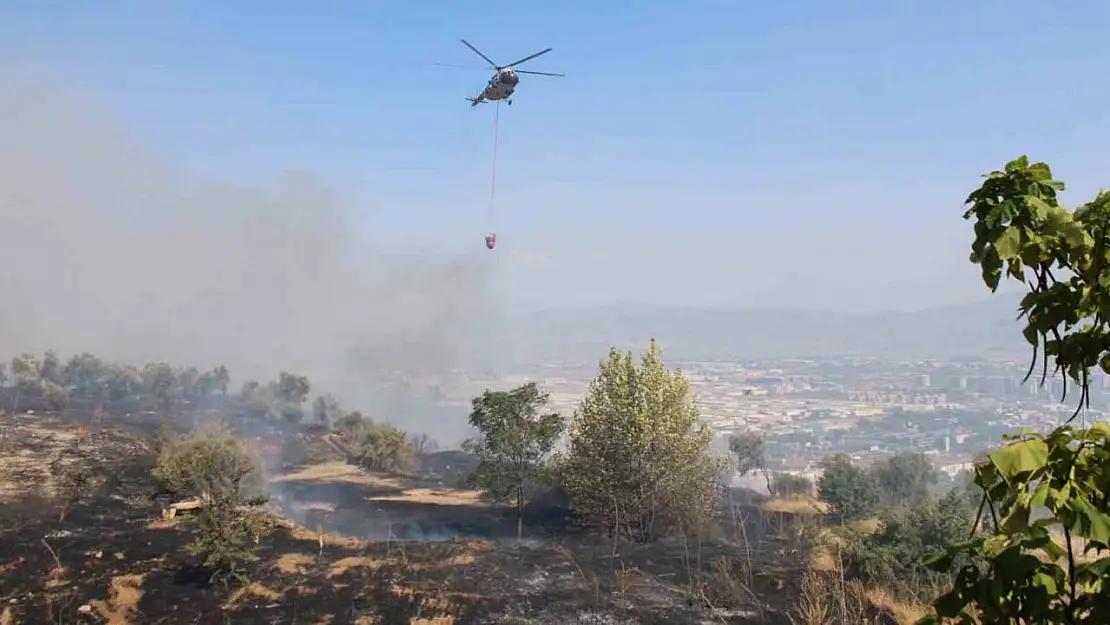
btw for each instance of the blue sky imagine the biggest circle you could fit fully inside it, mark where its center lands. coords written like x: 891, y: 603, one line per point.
x: 715, y: 152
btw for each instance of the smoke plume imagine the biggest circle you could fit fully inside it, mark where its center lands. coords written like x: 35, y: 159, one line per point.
x: 105, y: 248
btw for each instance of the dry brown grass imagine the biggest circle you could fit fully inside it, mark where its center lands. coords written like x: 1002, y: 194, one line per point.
x: 122, y: 605
x: 798, y: 504
x: 27, y: 466
x: 253, y: 589
x: 339, y: 471
x: 438, y: 497
x: 161, y: 523
x: 299, y: 532
x: 343, y: 565
x: 902, y: 611
x: 291, y: 563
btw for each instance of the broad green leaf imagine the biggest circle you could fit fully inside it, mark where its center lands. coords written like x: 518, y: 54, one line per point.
x: 1018, y: 164
x: 1040, y: 495
x: 1098, y: 521
x: 1041, y: 208
x: 1102, y: 428
x: 1032, y: 335
x: 1046, y: 581
x: 1040, y: 172
x: 1023, y: 457
x: 1008, y: 243
x: 1098, y: 568
x: 1017, y: 522
x: 1074, y: 234
x: 949, y: 605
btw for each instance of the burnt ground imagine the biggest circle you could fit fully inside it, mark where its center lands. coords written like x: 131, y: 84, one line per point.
x: 414, y: 549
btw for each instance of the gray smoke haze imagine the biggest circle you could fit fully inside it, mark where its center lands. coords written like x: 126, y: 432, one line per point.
x: 104, y: 249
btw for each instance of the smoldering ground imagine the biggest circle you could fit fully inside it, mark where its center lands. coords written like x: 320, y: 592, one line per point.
x: 106, y: 248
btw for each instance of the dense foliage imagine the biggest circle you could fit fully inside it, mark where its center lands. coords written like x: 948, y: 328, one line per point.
x: 640, y: 461
x: 1017, y: 571
x: 516, y: 439
x: 215, y: 466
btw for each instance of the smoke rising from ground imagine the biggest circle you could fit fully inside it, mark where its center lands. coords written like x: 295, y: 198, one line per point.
x: 104, y: 250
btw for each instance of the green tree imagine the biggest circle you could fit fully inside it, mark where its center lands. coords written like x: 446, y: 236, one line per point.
x: 83, y: 373
x: 382, y: 447
x: 907, y: 535
x: 162, y: 382
x: 250, y: 389
x: 120, y: 382
x: 216, y: 467
x: 56, y: 395
x: 516, y: 437
x: 212, y: 465
x: 205, y: 384
x: 25, y: 374
x: 292, y: 388
x: 640, y: 460
x: 747, y: 455
x: 852, y: 491
x: 223, y: 378
x: 326, y: 409
x: 50, y: 370
x: 1017, y: 572
x: 905, y: 478
x: 187, y: 380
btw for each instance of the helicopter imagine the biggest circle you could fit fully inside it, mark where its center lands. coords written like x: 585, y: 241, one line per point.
x: 505, y: 79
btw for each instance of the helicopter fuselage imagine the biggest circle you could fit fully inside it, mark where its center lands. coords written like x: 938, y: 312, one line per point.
x: 500, y: 87
x: 497, y: 91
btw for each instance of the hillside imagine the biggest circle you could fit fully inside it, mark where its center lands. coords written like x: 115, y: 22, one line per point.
x: 409, y: 550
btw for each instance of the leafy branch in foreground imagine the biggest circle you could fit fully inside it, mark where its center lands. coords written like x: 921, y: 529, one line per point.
x: 1019, y: 573
x: 1022, y: 232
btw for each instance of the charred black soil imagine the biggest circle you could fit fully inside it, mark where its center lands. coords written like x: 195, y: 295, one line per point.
x: 364, y: 548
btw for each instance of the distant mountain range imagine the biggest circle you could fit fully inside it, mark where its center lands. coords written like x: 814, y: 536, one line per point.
x: 981, y: 329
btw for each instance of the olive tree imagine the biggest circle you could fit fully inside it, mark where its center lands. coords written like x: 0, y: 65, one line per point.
x: 212, y: 465
x: 640, y: 461
x: 25, y: 374
x: 747, y: 455
x: 217, y: 467
x: 516, y: 437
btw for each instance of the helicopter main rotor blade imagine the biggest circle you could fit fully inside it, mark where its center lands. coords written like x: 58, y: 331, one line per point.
x: 524, y: 71
x: 476, y: 51
x: 455, y: 66
x: 529, y: 58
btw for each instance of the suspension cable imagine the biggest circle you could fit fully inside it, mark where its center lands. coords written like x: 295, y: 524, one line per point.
x: 493, y: 177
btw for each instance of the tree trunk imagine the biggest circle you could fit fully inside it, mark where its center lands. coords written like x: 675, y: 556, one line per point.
x: 519, y: 514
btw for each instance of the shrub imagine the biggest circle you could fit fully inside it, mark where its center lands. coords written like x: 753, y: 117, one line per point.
x: 217, y: 467
x: 382, y: 447
x: 212, y: 464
